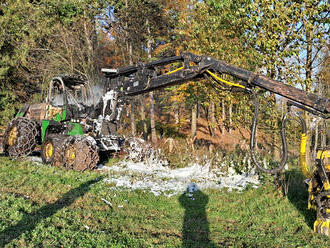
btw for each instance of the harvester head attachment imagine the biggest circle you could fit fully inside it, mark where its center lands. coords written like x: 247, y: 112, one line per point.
x: 319, y: 192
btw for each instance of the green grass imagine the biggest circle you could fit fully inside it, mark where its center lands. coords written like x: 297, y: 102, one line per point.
x: 41, y: 206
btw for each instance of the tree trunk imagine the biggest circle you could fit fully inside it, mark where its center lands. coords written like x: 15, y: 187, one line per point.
x: 199, y: 110
x: 316, y: 139
x: 308, y: 141
x: 177, y: 113
x: 152, y: 118
x: 89, y: 70
x: 132, y: 114
x: 209, y: 118
x: 323, y: 123
x: 275, y: 148
x: 132, y: 119
x: 143, y: 118
x: 193, y: 121
x: 223, y: 110
x: 151, y: 94
x: 324, y: 134
x: 230, y: 117
x: 308, y: 81
x: 212, y: 117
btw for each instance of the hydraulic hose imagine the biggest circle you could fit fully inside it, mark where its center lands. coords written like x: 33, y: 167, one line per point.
x: 252, y: 140
x: 322, y: 209
x: 325, y: 177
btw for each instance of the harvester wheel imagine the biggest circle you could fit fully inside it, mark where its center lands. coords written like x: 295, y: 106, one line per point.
x: 80, y: 153
x: 21, y: 137
x: 52, y: 149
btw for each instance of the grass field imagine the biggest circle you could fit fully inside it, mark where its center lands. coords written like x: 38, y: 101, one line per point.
x: 41, y: 206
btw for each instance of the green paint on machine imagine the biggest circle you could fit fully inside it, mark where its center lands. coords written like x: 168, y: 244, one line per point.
x: 77, y: 129
x: 44, y: 126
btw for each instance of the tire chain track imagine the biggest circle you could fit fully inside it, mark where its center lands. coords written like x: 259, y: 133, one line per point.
x: 86, y: 157
x: 27, y: 138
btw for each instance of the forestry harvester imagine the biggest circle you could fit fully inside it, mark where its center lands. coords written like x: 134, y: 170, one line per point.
x: 72, y: 129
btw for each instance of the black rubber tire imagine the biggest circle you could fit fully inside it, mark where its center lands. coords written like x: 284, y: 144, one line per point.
x: 80, y: 153
x: 57, y: 142
x: 27, y: 136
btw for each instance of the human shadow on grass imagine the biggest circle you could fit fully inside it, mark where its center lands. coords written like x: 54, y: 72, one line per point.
x: 297, y: 194
x: 29, y: 221
x: 195, y: 228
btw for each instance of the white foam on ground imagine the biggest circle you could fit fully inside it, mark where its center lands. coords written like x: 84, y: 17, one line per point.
x: 35, y: 159
x: 160, y: 179
x: 150, y: 172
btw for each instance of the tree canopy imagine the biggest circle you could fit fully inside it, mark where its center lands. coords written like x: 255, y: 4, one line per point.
x: 287, y: 40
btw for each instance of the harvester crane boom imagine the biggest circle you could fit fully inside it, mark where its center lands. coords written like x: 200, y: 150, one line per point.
x: 145, y: 79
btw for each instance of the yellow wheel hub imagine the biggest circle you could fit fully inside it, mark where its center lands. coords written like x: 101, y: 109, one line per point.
x: 70, y: 154
x: 12, y: 137
x: 49, y: 149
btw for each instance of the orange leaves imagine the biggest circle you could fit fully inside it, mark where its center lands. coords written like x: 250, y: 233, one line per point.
x: 161, y: 48
x: 179, y: 93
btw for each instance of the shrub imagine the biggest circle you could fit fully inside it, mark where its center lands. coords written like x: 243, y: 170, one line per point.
x: 7, y: 106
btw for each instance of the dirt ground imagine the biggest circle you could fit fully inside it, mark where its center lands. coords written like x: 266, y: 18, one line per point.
x: 227, y: 140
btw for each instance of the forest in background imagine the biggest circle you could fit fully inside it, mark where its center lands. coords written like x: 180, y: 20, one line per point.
x: 284, y: 40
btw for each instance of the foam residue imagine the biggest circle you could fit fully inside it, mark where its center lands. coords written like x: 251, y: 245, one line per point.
x: 160, y: 179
